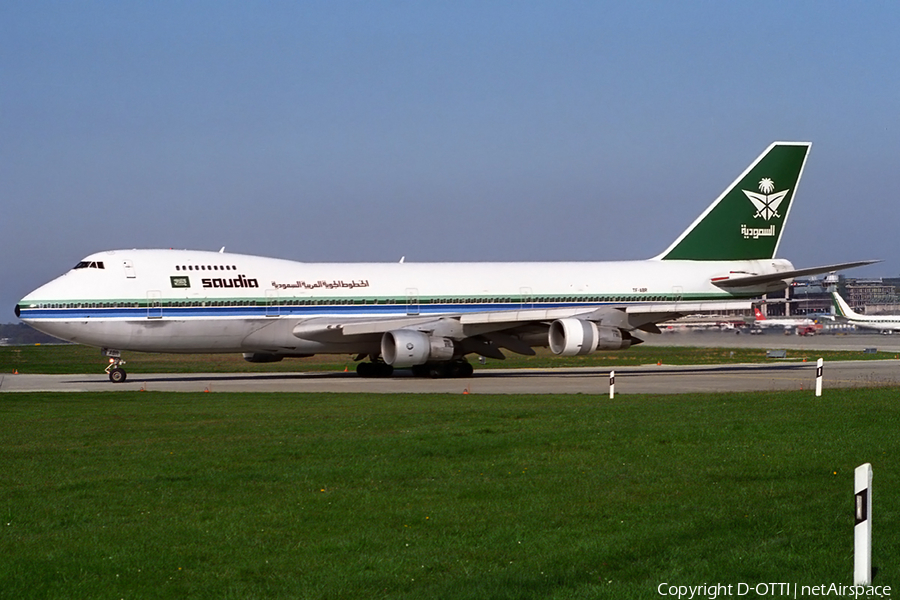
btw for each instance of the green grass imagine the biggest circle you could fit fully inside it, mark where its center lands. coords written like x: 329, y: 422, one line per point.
x: 156, y: 495
x: 71, y: 358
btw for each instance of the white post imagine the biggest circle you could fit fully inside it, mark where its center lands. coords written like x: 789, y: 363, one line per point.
x: 819, y: 377
x: 862, y: 531
x: 612, y: 384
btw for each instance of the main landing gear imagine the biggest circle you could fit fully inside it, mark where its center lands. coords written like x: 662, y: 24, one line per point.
x: 441, y: 370
x: 115, y: 371
x: 375, y: 368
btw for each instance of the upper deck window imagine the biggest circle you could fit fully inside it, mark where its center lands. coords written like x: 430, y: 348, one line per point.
x: 98, y: 264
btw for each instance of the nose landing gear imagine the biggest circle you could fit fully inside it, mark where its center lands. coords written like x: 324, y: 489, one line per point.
x: 115, y: 371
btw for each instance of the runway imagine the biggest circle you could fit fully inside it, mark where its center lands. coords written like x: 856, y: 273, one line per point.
x: 647, y: 379
x: 849, y: 342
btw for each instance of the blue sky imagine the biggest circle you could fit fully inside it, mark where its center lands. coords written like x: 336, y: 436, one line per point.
x: 353, y: 131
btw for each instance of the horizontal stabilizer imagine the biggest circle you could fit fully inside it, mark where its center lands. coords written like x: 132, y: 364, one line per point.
x: 752, y: 280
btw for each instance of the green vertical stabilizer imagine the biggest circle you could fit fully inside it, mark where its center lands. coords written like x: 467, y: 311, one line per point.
x: 841, y: 308
x: 747, y: 220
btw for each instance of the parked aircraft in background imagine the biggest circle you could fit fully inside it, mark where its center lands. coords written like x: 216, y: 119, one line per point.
x: 843, y: 312
x: 784, y: 323
x: 427, y: 316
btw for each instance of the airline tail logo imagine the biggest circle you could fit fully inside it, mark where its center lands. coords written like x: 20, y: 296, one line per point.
x: 766, y: 203
x: 747, y: 220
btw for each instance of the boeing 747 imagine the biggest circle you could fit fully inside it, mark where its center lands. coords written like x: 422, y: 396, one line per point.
x: 426, y: 316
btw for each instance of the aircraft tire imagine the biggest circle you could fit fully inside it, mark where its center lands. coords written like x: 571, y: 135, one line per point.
x: 383, y: 369
x: 117, y: 375
x: 374, y: 369
x: 444, y: 370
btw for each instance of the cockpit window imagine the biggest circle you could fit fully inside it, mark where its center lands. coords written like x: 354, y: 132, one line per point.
x: 98, y: 264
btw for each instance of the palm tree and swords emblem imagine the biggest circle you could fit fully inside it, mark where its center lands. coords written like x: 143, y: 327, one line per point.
x: 766, y: 203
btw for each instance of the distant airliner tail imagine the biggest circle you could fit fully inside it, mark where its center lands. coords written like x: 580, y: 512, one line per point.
x: 841, y: 308
x: 747, y: 220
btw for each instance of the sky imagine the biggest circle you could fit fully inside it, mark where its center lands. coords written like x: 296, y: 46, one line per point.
x: 438, y: 131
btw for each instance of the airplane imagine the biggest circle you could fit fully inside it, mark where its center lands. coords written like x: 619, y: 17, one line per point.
x: 426, y: 316
x: 786, y: 323
x: 883, y: 323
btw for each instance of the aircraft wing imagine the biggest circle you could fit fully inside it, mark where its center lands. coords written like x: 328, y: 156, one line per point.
x: 745, y: 280
x: 624, y: 316
x: 463, y: 325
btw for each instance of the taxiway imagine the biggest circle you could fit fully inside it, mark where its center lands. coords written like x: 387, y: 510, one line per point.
x: 649, y: 379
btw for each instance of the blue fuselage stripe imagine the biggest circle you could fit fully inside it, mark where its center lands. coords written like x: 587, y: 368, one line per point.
x: 349, y: 310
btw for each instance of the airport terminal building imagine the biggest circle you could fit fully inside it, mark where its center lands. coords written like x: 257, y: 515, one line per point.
x: 811, y: 295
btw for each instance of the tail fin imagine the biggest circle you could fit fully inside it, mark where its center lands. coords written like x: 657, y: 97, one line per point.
x: 841, y: 308
x: 747, y: 220
x: 759, y: 315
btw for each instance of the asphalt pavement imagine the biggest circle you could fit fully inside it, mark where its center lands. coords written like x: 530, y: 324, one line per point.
x: 779, y: 374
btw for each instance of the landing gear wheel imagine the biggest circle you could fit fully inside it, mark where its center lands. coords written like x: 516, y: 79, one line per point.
x: 441, y: 370
x: 465, y: 369
x: 114, y: 368
x: 374, y: 369
x: 117, y: 375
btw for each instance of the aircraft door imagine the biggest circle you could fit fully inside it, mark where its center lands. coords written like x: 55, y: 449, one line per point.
x: 129, y: 269
x: 272, y: 307
x: 527, y: 298
x: 154, y: 304
x: 412, y: 301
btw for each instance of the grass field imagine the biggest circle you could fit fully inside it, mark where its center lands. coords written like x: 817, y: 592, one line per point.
x: 70, y: 358
x: 155, y: 495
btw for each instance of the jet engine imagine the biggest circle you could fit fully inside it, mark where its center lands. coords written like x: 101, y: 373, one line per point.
x: 572, y: 337
x: 403, y: 348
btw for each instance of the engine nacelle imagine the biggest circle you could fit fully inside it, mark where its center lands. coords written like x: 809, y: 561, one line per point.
x: 573, y: 337
x: 403, y: 348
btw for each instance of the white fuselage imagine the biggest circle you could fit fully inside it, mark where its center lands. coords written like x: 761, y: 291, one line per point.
x: 878, y: 323
x: 783, y: 322
x: 194, y: 301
